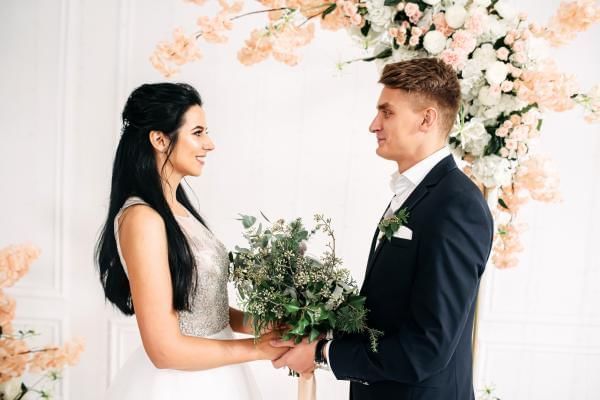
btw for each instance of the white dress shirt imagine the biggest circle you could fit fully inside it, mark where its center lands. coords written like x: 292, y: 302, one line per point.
x: 403, y: 185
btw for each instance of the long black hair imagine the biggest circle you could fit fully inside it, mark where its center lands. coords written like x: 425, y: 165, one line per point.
x: 150, y: 107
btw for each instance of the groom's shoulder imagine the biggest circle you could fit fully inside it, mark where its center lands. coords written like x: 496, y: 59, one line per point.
x: 457, y: 185
x: 458, y: 191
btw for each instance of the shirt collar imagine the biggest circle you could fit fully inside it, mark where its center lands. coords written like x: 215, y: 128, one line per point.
x: 415, y: 174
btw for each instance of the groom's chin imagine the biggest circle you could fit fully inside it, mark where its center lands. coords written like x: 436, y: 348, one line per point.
x: 381, y: 152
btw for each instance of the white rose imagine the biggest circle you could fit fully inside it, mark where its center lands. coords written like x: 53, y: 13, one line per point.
x: 434, y: 42
x: 431, y: 2
x: 482, y: 3
x: 379, y: 14
x: 494, y: 29
x: 538, y: 49
x: 455, y: 16
x: 11, y: 388
x: 487, y: 97
x: 474, y: 137
x: 472, y: 69
x: 484, y: 55
x: 492, y: 170
x: 491, y: 113
x: 468, y: 84
x: 505, y: 10
x: 496, y: 73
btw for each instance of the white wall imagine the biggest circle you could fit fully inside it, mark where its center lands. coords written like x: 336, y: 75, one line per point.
x: 290, y: 142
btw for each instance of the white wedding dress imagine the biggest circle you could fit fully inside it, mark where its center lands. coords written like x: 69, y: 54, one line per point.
x: 139, y: 379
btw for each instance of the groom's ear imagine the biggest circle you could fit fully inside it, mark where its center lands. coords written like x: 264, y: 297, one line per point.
x: 430, y: 117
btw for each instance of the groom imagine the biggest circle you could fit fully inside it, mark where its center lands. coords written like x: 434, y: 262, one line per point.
x: 421, y: 285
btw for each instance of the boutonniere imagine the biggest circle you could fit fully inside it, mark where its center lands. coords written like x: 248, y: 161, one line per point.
x: 388, y: 226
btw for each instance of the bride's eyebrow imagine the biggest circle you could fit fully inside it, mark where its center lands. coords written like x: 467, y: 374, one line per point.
x: 199, y: 127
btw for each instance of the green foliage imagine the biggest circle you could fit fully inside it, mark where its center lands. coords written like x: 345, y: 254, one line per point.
x: 278, y: 285
x: 388, y: 226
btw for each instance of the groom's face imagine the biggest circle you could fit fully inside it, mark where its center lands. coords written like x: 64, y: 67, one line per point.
x: 397, y: 125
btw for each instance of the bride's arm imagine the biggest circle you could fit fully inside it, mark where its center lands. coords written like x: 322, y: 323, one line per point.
x: 144, y: 246
x: 236, y: 320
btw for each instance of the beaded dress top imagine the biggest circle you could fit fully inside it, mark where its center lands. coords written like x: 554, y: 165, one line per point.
x: 209, y: 312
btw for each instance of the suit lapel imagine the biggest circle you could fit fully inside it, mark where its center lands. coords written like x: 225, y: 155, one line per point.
x: 446, y: 165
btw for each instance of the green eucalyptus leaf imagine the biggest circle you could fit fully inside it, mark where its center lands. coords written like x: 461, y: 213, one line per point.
x: 291, y: 308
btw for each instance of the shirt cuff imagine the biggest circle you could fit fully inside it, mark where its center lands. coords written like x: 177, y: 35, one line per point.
x: 326, y: 353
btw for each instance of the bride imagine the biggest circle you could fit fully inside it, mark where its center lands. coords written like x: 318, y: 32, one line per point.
x: 157, y: 259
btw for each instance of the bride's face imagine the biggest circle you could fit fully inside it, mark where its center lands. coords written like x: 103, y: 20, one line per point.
x: 193, y: 144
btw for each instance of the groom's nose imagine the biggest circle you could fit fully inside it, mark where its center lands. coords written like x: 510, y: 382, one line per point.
x: 375, y: 125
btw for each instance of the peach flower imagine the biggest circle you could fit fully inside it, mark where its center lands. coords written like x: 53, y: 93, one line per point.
x: 15, y: 261
x: 13, y: 358
x: 7, y: 309
x: 57, y: 358
x: 571, y: 18
x: 439, y: 21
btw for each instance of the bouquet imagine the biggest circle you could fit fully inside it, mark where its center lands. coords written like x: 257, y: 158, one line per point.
x: 279, y: 285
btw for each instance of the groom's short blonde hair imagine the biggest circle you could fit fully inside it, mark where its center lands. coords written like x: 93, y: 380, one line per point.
x: 430, y: 79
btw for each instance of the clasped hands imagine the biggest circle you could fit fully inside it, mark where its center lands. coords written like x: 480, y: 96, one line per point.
x: 297, y: 357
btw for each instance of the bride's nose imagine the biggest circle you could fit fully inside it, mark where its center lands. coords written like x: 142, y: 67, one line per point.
x: 208, y: 144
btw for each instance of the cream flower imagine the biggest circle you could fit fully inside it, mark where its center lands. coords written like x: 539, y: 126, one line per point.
x: 496, y: 73
x: 456, y: 16
x: 434, y: 42
x: 473, y: 137
x: 488, y: 97
x: 492, y: 170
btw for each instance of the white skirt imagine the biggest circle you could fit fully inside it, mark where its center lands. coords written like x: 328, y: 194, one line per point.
x: 139, y: 379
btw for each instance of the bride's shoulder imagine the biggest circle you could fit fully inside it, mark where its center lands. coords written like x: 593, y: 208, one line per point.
x: 140, y: 219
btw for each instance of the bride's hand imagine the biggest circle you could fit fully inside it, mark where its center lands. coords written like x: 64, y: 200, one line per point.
x: 264, y: 348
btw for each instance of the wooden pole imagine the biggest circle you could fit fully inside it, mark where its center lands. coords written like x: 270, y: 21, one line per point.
x: 477, y: 316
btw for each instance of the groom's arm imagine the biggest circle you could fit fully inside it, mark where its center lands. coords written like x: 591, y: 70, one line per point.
x: 453, y: 251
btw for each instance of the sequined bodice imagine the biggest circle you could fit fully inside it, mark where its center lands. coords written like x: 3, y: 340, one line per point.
x: 209, y: 312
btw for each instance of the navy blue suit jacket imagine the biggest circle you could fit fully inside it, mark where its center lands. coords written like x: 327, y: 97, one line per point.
x: 421, y: 293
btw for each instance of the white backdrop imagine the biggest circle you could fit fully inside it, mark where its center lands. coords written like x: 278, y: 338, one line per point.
x: 289, y: 142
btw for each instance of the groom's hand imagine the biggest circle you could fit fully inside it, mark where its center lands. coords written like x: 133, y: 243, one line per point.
x: 300, y: 357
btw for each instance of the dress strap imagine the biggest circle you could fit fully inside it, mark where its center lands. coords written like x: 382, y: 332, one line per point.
x: 128, y: 203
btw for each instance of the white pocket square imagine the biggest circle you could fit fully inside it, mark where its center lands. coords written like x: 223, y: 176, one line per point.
x: 403, y: 232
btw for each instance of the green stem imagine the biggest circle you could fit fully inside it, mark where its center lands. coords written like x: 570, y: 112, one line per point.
x: 260, y: 12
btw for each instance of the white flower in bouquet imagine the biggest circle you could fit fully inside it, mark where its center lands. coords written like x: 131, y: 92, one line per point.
x: 469, y: 87
x: 431, y: 2
x: 492, y: 170
x: 473, y: 137
x: 484, y: 56
x: 379, y: 15
x: 489, y: 97
x: 399, y: 54
x: 434, y: 42
x: 496, y: 73
x: 490, y: 114
x: 506, y: 10
x: 426, y: 20
x: 537, y: 49
x: 456, y: 16
x: 472, y: 69
x: 482, y: 3
x: 10, y: 389
x: 365, y: 42
x: 494, y: 29
x: 448, y: 3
